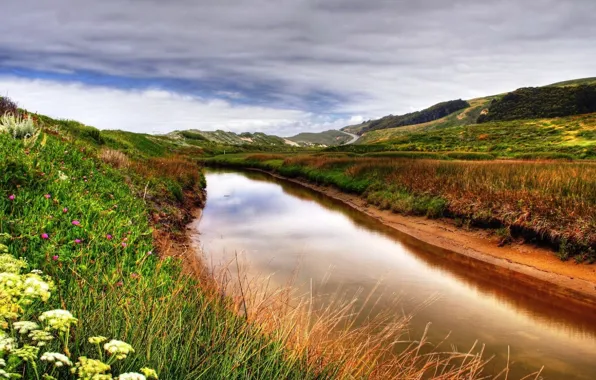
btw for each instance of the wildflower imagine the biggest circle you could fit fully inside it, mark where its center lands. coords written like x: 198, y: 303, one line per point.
x: 48, y: 196
x: 135, y: 275
x: 97, y: 339
x: 26, y: 353
x: 131, y: 376
x: 58, y: 319
x: 75, y: 223
x: 4, y: 374
x: 118, y: 348
x: 55, y: 257
x: 35, y: 287
x: 65, y: 210
x: 40, y: 337
x: 149, y: 373
x: 7, y: 344
x: 62, y: 176
x: 58, y: 359
x: 36, y: 271
x: 45, y: 236
x: 77, y: 241
x: 124, y: 245
x: 150, y: 253
x: 11, y: 197
x: 90, y: 369
x: 10, y: 264
x: 2, y: 363
x: 23, y: 327
x: 109, y: 237
x: 119, y: 283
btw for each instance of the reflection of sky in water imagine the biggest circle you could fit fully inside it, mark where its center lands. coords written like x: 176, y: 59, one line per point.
x: 277, y: 233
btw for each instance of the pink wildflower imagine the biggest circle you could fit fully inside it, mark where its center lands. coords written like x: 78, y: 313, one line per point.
x: 150, y: 253
x: 48, y: 196
x: 65, y: 210
x: 75, y: 222
x: 124, y: 245
x: 55, y: 257
x: 119, y: 283
x: 45, y: 236
x: 11, y: 197
x: 109, y: 237
x: 78, y: 241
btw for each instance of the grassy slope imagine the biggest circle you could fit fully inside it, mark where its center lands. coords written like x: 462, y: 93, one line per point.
x: 458, y: 119
x: 114, y: 286
x: 326, y: 138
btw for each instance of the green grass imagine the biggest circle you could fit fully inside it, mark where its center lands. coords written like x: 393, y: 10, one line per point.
x: 118, y: 287
x: 573, y: 136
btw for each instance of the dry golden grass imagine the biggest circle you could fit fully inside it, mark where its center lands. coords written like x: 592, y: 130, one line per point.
x: 114, y: 158
x: 338, y: 329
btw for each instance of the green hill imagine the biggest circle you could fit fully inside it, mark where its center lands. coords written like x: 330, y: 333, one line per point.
x: 575, y: 97
x: 326, y: 138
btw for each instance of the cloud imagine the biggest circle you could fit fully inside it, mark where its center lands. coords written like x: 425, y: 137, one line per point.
x: 330, y: 58
x: 154, y: 110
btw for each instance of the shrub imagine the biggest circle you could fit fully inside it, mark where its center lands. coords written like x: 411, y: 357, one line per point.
x: 114, y: 158
x: 7, y: 106
x: 18, y: 127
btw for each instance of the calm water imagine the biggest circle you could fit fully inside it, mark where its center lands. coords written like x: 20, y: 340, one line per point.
x: 278, y: 227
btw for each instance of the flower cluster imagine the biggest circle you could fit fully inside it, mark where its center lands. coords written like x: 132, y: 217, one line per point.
x: 59, y: 320
x: 22, y: 340
x: 118, y: 349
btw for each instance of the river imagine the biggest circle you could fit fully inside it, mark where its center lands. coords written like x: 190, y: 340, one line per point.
x: 276, y: 227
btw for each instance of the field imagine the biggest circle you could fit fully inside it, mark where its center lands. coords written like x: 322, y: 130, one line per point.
x: 550, y: 203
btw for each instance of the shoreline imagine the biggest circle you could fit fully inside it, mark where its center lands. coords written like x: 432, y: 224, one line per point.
x: 523, y: 263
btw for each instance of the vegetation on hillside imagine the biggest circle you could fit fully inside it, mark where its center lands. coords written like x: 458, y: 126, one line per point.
x: 326, y: 138
x: 572, y: 137
x: 542, y: 102
x: 435, y: 112
x: 552, y: 203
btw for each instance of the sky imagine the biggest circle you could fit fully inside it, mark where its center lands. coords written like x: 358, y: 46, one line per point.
x: 280, y: 66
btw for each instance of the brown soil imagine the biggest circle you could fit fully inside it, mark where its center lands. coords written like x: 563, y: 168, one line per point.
x: 524, y: 263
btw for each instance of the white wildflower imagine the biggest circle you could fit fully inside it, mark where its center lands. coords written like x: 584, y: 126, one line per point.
x: 118, y: 348
x: 4, y: 374
x: 131, y: 376
x: 58, y: 359
x: 58, y: 319
x: 62, y: 176
x: 2, y: 363
x: 23, y: 327
x: 37, y: 271
x: 7, y: 344
x: 41, y: 337
x: 35, y: 287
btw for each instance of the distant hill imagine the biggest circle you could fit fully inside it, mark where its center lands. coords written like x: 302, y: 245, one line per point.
x: 435, y: 112
x: 567, y: 98
x: 327, y: 138
x: 231, y: 138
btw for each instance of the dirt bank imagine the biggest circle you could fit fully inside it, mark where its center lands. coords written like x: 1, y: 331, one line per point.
x: 521, y: 263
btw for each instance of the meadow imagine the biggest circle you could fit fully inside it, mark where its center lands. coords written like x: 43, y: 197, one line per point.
x: 545, y: 202
x: 100, y: 232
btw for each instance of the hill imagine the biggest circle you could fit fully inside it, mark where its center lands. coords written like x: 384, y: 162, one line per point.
x: 230, y: 138
x: 575, y: 97
x: 323, y: 139
x: 432, y: 113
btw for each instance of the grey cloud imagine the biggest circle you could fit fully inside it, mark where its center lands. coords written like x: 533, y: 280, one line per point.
x: 381, y: 56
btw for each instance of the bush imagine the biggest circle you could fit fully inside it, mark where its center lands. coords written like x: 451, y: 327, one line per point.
x: 470, y: 156
x: 18, y: 127
x: 7, y: 106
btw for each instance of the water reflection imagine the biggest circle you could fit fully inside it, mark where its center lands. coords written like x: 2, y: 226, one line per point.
x: 278, y: 226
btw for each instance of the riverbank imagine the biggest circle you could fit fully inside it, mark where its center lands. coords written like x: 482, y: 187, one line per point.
x: 521, y: 263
